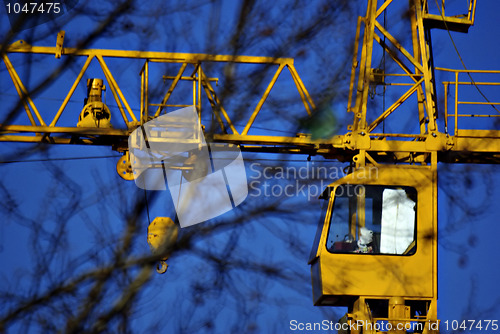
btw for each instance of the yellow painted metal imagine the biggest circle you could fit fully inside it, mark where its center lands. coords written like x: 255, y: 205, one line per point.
x: 340, y: 278
x: 59, y: 43
x: 198, y: 105
x: 356, y: 280
x: 191, y: 58
x: 394, y: 106
x: 393, y: 286
x: 124, y: 168
x: 354, y: 63
x: 398, y: 311
x: 162, y: 235
x: 381, y: 144
x: 382, y: 8
x: 71, y: 91
x: 58, y: 129
x: 116, y: 91
x: 361, y: 315
x: 420, y: 91
x: 171, y: 89
x: 263, y: 99
x: 216, y: 103
x: 427, y: 73
x: 445, y: 88
x: 304, y: 94
x: 22, y: 92
x: 366, y: 59
x: 400, y: 47
x: 362, y: 137
x: 201, y: 83
x: 453, y: 23
x: 456, y: 103
x: 488, y: 133
x: 144, y: 90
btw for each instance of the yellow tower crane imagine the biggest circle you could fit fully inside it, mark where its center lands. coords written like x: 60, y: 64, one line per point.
x: 376, y: 246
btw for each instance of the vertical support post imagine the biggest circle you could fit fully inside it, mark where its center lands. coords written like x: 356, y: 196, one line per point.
x: 355, y: 64
x: 445, y: 86
x: 146, y: 91
x: 194, y: 87
x: 424, y: 51
x: 432, y: 324
x: 362, y: 317
x: 142, y: 91
x: 371, y: 14
x: 398, y: 310
x: 417, y: 55
x: 432, y: 311
x: 199, y: 90
x: 360, y: 198
x: 456, y: 103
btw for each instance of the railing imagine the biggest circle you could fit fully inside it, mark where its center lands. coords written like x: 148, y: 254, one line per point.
x: 435, y: 15
x: 471, y: 9
x: 471, y: 106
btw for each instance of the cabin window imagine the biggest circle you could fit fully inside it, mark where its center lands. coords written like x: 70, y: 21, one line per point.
x: 373, y: 219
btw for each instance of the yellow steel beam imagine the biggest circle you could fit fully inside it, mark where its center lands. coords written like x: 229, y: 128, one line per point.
x: 396, y: 59
x: 336, y: 141
x: 304, y: 94
x: 398, y: 146
x: 354, y: 64
x: 213, y: 97
x: 144, y: 91
x: 370, y: 23
x: 72, y: 90
x: 33, y: 139
x: 152, y: 56
x: 116, y: 91
x: 62, y: 129
x: 472, y: 11
x: 22, y: 92
x: 420, y: 92
x: 456, y: 103
x: 395, y: 105
x: 426, y: 71
x: 198, y: 104
x: 263, y: 99
x: 349, y: 145
x: 171, y: 89
x: 491, y: 134
x: 382, y: 8
x: 470, y: 145
x: 398, y: 46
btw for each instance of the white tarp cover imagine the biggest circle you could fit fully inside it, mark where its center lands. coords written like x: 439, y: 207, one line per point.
x: 161, y: 145
x: 398, y: 221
